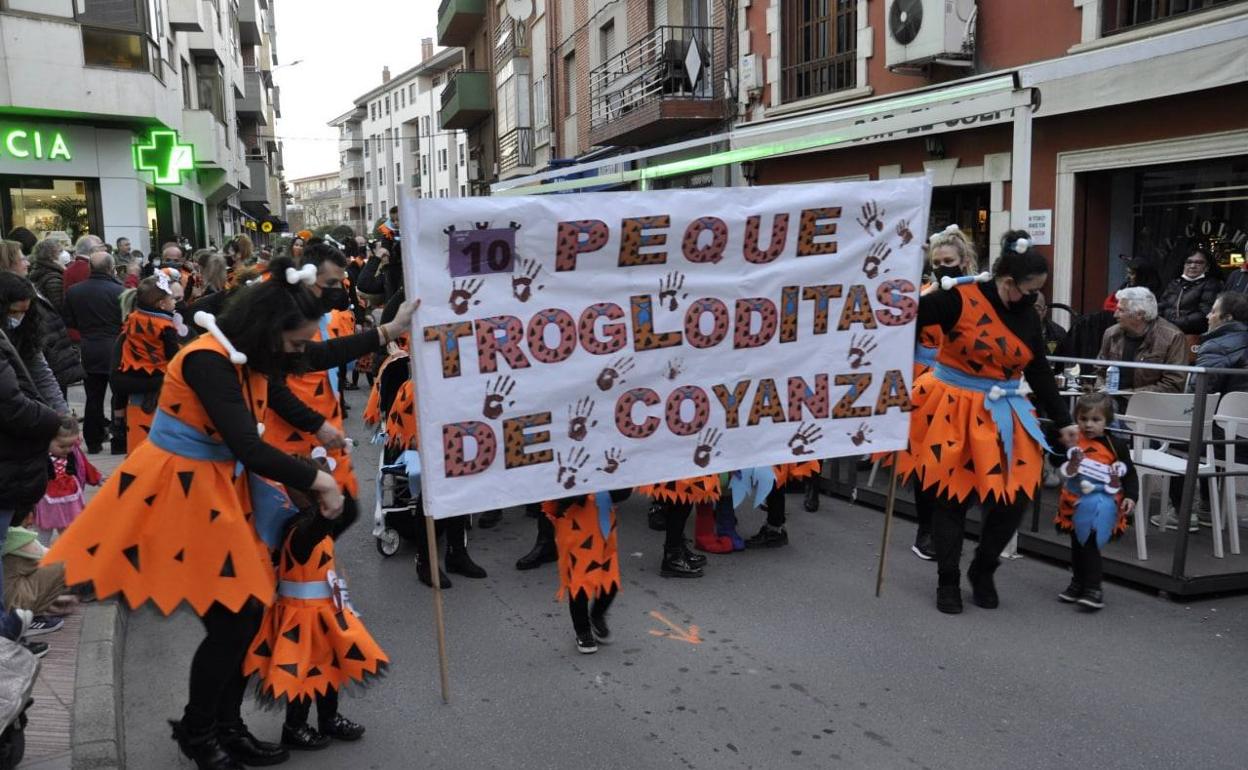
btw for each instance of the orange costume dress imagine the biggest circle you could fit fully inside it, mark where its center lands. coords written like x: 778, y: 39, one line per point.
x: 698, y: 489
x: 372, y: 410
x: 149, y: 341
x: 585, y: 538
x: 319, y: 391
x: 311, y: 640
x: 973, y: 435
x: 1106, y: 451
x: 176, y: 522
x: 402, y: 430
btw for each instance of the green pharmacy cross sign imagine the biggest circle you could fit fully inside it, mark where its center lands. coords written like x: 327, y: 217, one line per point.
x: 164, y: 156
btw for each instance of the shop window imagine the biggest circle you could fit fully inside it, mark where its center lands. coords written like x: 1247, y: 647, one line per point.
x: 1119, y: 15
x: 820, y: 47
x: 44, y: 205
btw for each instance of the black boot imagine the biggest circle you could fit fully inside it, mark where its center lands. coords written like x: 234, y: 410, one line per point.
x: 696, y: 560
x: 303, y: 737
x: 949, y: 592
x: 983, y: 587
x: 655, y: 518
x: 676, y: 565
x: 203, y: 747
x: 422, y: 572
x: 543, y: 550
x: 460, y: 563
x: 247, y: 748
x: 811, y: 500
x: 343, y: 729
x: 117, y: 442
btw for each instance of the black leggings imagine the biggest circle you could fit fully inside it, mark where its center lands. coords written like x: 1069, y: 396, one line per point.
x: 674, y: 516
x: 999, y: 524
x: 326, y: 709
x: 775, y: 506
x: 454, y: 529
x: 217, y: 681
x: 578, y: 607
x: 922, y: 512
x: 1085, y: 562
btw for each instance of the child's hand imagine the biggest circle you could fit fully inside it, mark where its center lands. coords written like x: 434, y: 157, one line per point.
x: 1072, y: 467
x: 1126, y: 506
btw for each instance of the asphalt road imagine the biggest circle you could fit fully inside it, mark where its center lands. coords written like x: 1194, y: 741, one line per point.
x: 798, y: 664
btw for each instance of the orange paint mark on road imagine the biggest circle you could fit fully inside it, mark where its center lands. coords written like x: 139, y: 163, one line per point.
x: 675, y: 632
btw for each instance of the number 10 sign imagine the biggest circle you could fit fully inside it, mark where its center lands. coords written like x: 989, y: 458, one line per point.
x: 481, y: 251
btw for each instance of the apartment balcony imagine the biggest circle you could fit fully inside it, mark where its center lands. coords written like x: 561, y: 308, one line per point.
x: 259, y: 177
x: 208, y: 41
x: 664, y: 85
x: 511, y: 41
x: 465, y: 99
x: 202, y: 129
x: 351, y: 142
x: 255, y: 101
x: 353, y: 199
x: 352, y: 169
x: 186, y: 15
x: 250, y: 21
x: 458, y: 20
x: 515, y: 152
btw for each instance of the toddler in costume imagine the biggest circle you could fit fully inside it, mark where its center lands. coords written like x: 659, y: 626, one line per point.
x: 311, y: 642
x: 1098, y: 494
x: 69, y: 473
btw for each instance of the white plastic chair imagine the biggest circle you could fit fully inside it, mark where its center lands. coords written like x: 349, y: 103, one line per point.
x: 1232, y: 418
x: 1169, y: 415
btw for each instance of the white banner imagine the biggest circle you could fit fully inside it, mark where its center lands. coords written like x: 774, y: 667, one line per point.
x: 569, y: 344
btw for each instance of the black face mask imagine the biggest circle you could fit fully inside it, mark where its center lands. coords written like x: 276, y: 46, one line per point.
x: 946, y: 271
x: 335, y: 298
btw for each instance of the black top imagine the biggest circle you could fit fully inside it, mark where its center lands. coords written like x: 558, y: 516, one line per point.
x: 944, y: 308
x: 215, y: 381
x: 331, y: 354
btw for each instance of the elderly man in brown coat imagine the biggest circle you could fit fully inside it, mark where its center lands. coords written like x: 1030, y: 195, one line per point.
x: 1142, y: 337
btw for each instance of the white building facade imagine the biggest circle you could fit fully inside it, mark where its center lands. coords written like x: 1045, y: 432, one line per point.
x: 69, y: 158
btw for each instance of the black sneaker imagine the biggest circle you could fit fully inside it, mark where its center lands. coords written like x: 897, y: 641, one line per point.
x: 768, y: 537
x: 598, y: 623
x: 38, y: 649
x: 1072, y: 593
x: 949, y: 599
x: 586, y: 645
x: 1093, y: 599
x: 922, y: 547
x: 44, y: 624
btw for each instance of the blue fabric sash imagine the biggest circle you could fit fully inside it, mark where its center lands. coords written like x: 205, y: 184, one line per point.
x: 270, y: 505
x: 297, y: 589
x: 760, y: 480
x: 1003, y: 402
x: 925, y: 356
x: 603, y: 501
x: 332, y: 371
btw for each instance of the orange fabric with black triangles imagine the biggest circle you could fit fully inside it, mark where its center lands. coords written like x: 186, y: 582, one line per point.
x: 144, y: 349
x: 305, y: 647
x: 929, y: 337
x: 402, y: 430
x: 167, y: 528
x: 317, y: 393
x: 588, y: 562
x: 955, y: 446
x: 372, y: 411
x: 341, y: 323
x: 699, y: 489
x: 787, y: 472
x: 1101, y: 453
x: 138, y: 425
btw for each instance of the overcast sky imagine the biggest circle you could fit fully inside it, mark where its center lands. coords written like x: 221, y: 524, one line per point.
x: 343, y: 46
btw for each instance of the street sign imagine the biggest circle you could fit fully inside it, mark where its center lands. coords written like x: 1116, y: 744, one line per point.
x: 164, y: 156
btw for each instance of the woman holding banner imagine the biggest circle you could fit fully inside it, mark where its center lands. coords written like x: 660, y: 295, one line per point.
x: 974, y: 437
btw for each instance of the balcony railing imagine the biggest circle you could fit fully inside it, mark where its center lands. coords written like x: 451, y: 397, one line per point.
x: 668, y: 63
x: 465, y: 99
x: 515, y: 149
x: 511, y: 39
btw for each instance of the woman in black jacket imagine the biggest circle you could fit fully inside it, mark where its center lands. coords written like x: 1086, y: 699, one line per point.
x: 1186, y: 302
x: 58, y: 349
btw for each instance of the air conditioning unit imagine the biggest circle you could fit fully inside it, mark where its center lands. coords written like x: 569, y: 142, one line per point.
x: 923, y: 32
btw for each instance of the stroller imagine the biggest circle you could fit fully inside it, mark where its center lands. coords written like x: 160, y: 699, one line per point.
x: 18, y: 670
x: 397, y: 512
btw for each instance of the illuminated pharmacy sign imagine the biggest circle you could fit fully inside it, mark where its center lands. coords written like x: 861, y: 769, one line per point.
x: 164, y: 156
x: 25, y: 143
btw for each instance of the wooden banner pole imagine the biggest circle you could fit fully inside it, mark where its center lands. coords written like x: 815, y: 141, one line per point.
x: 888, y: 524
x: 431, y: 536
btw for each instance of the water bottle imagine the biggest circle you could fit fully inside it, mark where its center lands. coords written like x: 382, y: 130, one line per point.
x: 1111, y: 379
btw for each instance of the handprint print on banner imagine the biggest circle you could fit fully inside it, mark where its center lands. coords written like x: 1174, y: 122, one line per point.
x: 807, y: 433
x: 608, y: 377
x: 462, y: 294
x: 903, y: 231
x: 569, y: 469
x: 673, y: 284
x: 862, y: 435
x: 875, y: 257
x: 613, y: 458
x: 707, y: 443
x: 522, y: 281
x: 860, y: 346
x: 497, y: 390
x: 872, y: 217
x: 578, y: 419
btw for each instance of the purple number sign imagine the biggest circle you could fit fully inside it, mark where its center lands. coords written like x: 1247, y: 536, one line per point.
x: 482, y: 252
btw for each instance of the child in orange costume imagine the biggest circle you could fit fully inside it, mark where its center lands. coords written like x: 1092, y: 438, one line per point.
x: 311, y: 642
x: 147, y: 343
x: 589, y: 565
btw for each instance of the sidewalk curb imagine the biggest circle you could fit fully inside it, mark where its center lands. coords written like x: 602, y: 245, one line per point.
x: 96, y: 735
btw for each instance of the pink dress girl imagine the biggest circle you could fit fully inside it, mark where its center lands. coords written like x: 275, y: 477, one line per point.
x: 64, y: 499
